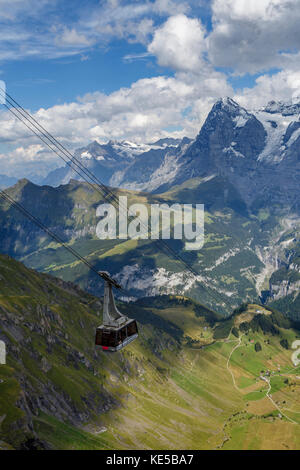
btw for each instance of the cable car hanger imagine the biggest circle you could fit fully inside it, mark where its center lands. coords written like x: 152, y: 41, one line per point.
x: 20, y: 113
x: 117, y: 330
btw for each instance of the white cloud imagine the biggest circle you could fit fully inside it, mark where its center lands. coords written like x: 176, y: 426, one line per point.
x: 132, y: 57
x: 55, y: 35
x: 70, y: 37
x: 27, y: 161
x: 282, y: 86
x: 250, y: 37
x: 11, y: 10
x: 254, y: 35
x: 249, y: 9
x: 141, y: 30
x: 179, y: 43
x: 144, y: 112
x: 39, y: 29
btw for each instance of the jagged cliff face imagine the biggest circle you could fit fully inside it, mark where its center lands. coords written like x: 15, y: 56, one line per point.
x: 256, y: 151
x: 229, y: 142
x: 284, y: 284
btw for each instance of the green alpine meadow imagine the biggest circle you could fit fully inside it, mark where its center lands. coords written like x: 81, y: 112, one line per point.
x: 149, y: 230
x: 193, y: 380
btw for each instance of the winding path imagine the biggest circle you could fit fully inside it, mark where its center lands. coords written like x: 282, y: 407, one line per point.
x: 228, y: 361
x: 267, y: 380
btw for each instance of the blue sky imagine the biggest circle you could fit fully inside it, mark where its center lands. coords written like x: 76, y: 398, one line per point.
x: 138, y: 70
x: 44, y: 83
x: 58, y: 73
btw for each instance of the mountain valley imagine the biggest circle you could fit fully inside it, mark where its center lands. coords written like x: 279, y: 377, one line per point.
x: 191, y: 380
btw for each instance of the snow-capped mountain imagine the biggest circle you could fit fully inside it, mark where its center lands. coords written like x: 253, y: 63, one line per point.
x: 256, y: 151
x: 118, y: 163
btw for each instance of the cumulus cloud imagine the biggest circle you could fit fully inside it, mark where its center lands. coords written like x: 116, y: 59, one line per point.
x: 282, y: 86
x: 247, y: 35
x: 179, y: 43
x: 35, y: 158
x: 148, y: 110
x: 252, y: 36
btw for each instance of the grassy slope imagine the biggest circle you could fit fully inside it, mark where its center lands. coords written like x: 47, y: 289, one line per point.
x: 228, y: 229
x: 161, y: 392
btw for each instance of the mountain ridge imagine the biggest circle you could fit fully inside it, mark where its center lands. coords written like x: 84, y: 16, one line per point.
x: 242, y: 145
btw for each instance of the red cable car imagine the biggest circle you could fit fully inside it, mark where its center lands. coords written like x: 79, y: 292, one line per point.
x: 117, y: 330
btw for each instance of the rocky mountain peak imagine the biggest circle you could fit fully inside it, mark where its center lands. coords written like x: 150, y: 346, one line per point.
x: 168, y: 142
x: 229, y: 110
x: 284, y: 108
x: 228, y: 103
x: 22, y: 183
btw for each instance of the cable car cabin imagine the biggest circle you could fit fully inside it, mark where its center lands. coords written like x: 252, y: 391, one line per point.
x: 117, y: 330
x: 113, y: 339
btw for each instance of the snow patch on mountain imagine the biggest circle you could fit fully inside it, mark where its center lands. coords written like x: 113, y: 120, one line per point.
x: 241, y: 120
x: 275, y: 127
x: 132, y: 149
x: 129, y: 149
x: 86, y: 155
x: 89, y: 156
x: 240, y: 115
x: 229, y: 104
x: 231, y: 151
x: 285, y: 109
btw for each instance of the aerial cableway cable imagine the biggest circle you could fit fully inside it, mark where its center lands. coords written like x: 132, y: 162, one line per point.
x: 48, y: 231
x: 117, y: 330
x: 76, y: 165
x: 73, y: 162
x: 20, y: 113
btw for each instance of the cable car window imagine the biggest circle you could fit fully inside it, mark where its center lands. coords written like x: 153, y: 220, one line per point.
x: 109, y: 338
x: 119, y: 337
x: 99, y: 337
x: 123, y: 333
x: 132, y: 329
